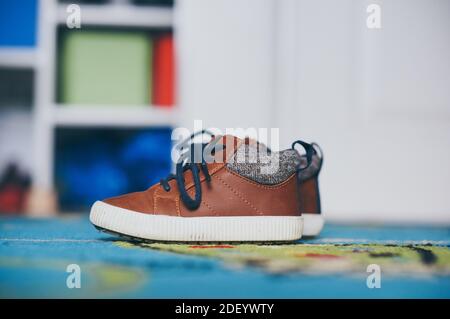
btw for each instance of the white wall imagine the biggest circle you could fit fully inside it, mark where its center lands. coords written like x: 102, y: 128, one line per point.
x: 226, y: 62
x: 376, y: 100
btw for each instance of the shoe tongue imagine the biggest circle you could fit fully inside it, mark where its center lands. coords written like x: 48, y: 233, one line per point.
x: 231, y: 144
x: 234, y: 140
x: 226, y: 140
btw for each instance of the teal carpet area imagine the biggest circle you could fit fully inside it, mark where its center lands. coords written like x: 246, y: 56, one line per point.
x: 34, y: 255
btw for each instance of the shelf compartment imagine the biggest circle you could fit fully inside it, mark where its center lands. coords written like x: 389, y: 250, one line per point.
x: 96, y: 163
x: 18, y: 21
x: 105, y: 67
x: 16, y: 87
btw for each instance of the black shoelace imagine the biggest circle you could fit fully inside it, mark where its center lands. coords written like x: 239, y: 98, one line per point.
x: 310, y: 151
x: 189, y: 161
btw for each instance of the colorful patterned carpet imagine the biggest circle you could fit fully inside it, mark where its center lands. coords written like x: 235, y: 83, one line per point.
x: 34, y: 254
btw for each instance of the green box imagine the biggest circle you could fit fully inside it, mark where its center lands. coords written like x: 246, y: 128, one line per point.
x: 106, y: 68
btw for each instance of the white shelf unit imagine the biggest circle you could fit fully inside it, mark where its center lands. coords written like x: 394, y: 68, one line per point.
x: 131, y: 116
x: 49, y: 114
x: 121, y: 15
x: 18, y: 57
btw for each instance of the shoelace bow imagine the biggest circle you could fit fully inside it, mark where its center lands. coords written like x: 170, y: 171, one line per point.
x: 187, y: 161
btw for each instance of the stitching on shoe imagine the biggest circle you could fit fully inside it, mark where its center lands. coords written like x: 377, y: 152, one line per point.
x: 148, y: 200
x: 276, y: 186
x: 210, y: 208
x: 213, y: 171
x: 191, y: 191
x: 177, y: 205
x: 155, y: 197
x: 238, y: 195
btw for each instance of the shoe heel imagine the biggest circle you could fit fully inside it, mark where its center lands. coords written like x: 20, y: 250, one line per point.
x: 309, y: 196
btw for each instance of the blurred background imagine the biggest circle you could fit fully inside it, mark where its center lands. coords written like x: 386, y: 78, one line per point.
x: 87, y: 113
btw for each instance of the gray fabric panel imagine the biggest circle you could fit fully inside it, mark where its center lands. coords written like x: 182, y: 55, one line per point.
x: 271, y: 168
x: 268, y: 168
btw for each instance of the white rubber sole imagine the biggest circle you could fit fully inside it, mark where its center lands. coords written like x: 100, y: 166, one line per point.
x: 313, y: 224
x: 196, y: 229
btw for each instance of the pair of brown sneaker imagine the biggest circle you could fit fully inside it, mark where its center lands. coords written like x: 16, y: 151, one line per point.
x: 226, y: 190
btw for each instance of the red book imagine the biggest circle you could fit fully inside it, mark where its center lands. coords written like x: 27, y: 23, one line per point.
x: 163, y: 71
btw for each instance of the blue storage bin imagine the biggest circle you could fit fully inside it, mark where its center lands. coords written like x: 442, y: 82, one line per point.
x: 94, y: 164
x: 18, y: 23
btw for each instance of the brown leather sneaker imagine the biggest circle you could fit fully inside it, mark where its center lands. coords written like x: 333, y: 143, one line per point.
x: 309, y: 194
x: 235, y: 194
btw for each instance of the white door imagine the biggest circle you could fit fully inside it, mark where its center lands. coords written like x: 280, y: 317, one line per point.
x: 377, y: 100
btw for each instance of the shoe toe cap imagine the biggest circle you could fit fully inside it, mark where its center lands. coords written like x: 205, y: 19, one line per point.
x: 138, y: 202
